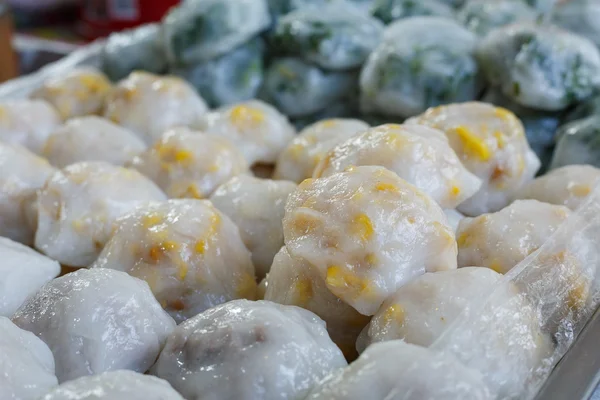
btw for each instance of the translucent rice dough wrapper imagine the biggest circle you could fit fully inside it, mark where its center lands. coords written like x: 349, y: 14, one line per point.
x: 420, y: 311
x: 77, y: 93
x: 391, y: 10
x: 577, y: 143
x: 540, y: 66
x: 484, y: 16
x: 22, y: 173
x: 401, y: 371
x: 27, y: 123
x: 299, y: 159
x: 418, y: 154
x: 579, y: 16
x: 454, y: 218
x: 501, y: 240
x: 91, y: 139
x: 24, y: 271
x: 115, y: 385
x: 149, y: 104
x: 294, y: 282
x: 257, y: 207
x: 78, y: 206
x: 200, y: 30
x: 422, y: 62
x: 189, y: 253
x: 26, y: 364
x: 367, y: 232
x: 248, y: 350
x: 255, y: 127
x: 568, y: 186
x: 491, y: 143
x: 186, y: 163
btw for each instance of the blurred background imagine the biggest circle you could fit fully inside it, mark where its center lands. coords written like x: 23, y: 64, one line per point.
x: 36, y: 32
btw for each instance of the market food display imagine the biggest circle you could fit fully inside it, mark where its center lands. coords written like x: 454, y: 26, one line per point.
x: 305, y: 199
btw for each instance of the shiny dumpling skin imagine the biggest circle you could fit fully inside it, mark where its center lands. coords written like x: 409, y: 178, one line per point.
x: 421, y: 311
x: 396, y: 370
x: 502, y: 239
x: 579, y: 16
x: 422, y: 62
x: 248, y: 350
x: 540, y: 66
x: 114, y: 385
x: 24, y: 271
x: 91, y: 138
x: 201, y: 30
x: 22, y: 173
x: 568, y: 186
x: 76, y: 93
x: 78, y: 206
x: 255, y: 127
x: 292, y: 281
x: 96, y: 320
x: 491, y: 143
x: 367, y: 232
x: 299, y: 159
x: 149, y: 104
x: 389, y: 11
x: 186, y: 163
x: 27, y: 123
x: 418, y: 154
x: 576, y: 143
x: 189, y: 253
x: 257, y: 207
x: 26, y: 364
x: 334, y: 36
x: 482, y: 17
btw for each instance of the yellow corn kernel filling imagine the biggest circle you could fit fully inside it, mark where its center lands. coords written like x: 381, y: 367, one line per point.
x: 329, y: 123
x: 305, y: 223
x: 193, y: 192
x: 472, y: 144
x: 394, y: 314
x: 247, y: 288
x: 386, y: 187
x: 580, y: 190
x: 94, y: 83
x: 464, y: 240
x: 157, y: 252
x: 200, y: 246
x: 244, y: 115
x: 340, y: 280
x: 500, y: 139
x: 454, y: 191
x: 150, y: 220
x: 496, y: 266
x: 503, y: 113
x: 304, y: 291
x: 362, y: 227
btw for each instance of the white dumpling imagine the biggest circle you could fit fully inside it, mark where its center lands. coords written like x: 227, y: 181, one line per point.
x: 579, y: 16
x: 91, y: 138
x: 257, y: 207
x: 24, y: 271
x: 75, y: 93
x: 27, y: 122
x: 400, y: 371
x: 491, y: 143
x: 568, y: 186
x: 78, y: 207
x: 454, y: 218
x: 502, y: 239
x: 22, y: 173
x: 420, y: 311
x: 26, y: 364
x: 295, y: 282
x: 115, y: 385
x: 299, y: 159
x: 418, y: 154
x: 255, y: 127
x: 248, y: 350
x: 149, y: 105
x: 367, y: 232
x: 97, y: 320
x: 186, y: 163
x: 189, y: 253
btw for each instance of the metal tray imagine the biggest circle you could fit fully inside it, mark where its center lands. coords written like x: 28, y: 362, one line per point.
x: 575, y: 377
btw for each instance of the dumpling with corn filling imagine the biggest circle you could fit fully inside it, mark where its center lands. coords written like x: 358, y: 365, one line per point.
x: 418, y: 154
x: 91, y: 138
x: 491, y: 143
x: 149, y: 105
x: 76, y: 93
x: 248, y: 350
x: 22, y: 173
x: 189, y: 253
x: 186, y: 163
x: 78, y: 207
x: 299, y: 159
x: 255, y: 127
x: 367, y: 232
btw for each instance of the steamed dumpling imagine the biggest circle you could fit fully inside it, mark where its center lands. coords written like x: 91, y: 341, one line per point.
x: 27, y: 123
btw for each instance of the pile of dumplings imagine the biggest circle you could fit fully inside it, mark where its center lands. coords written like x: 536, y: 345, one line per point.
x: 160, y: 243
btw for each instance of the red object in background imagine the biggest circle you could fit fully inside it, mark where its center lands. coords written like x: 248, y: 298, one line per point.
x: 102, y: 17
